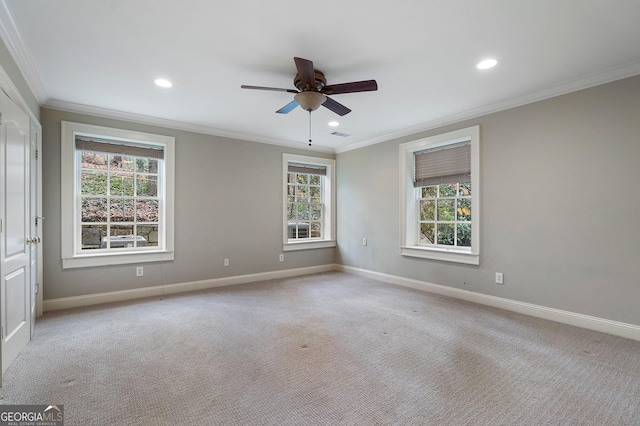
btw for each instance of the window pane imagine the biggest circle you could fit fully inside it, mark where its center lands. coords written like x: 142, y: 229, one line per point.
x: 303, y: 211
x: 121, y: 162
x: 149, y: 233
x: 291, y: 178
x: 93, y: 160
x: 93, y: 182
x: 302, y: 178
x: 122, y: 184
x: 465, y: 189
x: 446, y: 234
x: 315, y: 194
x: 464, y: 209
x: 121, y: 236
x: 429, y: 191
x: 316, y: 212
x: 147, y: 211
x: 302, y: 193
x: 448, y: 190
x: 427, y: 209
x: 92, y: 236
x: 291, y: 211
x: 94, y: 210
x: 316, y: 230
x: 446, y: 210
x: 291, y: 193
x: 121, y: 210
x: 314, y: 179
x: 298, y: 230
x: 464, y: 235
x: 147, y: 185
x: 427, y: 233
x: 146, y: 165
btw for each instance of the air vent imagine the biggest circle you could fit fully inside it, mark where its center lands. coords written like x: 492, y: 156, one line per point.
x: 341, y: 134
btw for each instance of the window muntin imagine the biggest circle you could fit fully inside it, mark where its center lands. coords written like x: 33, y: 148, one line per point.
x: 120, y: 201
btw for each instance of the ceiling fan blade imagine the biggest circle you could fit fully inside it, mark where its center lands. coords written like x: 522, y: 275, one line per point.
x: 306, y: 73
x: 356, y: 86
x: 273, y: 89
x: 288, y: 107
x: 336, y: 107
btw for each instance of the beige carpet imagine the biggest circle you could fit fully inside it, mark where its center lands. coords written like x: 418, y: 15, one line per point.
x: 324, y: 349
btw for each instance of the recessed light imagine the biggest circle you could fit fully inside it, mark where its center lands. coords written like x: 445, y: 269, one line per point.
x: 486, y: 64
x: 163, y: 83
x: 333, y: 123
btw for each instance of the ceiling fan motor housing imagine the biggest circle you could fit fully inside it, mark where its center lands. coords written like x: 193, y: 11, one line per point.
x: 321, y: 81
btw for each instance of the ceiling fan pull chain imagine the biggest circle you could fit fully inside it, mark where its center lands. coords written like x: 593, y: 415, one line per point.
x: 309, y: 127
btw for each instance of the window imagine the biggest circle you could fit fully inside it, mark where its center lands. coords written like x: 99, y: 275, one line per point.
x: 309, y: 202
x: 117, y: 196
x: 440, y: 197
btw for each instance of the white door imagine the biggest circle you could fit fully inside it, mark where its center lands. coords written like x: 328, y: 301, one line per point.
x: 15, y: 241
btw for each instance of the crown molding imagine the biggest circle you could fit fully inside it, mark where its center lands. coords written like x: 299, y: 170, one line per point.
x: 585, y: 82
x: 18, y: 50
x: 176, y: 125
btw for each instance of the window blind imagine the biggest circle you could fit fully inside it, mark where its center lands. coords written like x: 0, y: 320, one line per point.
x: 119, y: 147
x: 307, y: 168
x: 443, y: 165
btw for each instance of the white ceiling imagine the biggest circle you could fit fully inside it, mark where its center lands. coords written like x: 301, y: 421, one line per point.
x: 102, y: 57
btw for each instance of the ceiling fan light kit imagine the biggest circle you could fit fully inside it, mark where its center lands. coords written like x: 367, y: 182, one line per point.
x: 310, y: 101
x: 313, y: 90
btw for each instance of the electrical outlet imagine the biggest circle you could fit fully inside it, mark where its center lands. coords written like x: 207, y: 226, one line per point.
x: 282, y: 258
x: 139, y: 271
x: 364, y: 241
x: 226, y: 262
x: 499, y: 278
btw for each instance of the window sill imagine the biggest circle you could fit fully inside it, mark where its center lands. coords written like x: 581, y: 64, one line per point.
x: 446, y: 255
x: 307, y: 245
x: 110, y: 259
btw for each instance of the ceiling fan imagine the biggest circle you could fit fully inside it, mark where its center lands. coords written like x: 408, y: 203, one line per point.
x: 313, y: 90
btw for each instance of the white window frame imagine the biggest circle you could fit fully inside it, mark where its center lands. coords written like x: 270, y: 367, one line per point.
x: 72, y: 255
x: 409, y: 205
x: 329, y: 200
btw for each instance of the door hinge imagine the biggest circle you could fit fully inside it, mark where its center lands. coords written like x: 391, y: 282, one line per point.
x: 37, y: 153
x: 2, y: 332
x: 37, y: 287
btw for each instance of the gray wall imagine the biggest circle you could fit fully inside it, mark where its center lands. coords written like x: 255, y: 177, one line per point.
x: 559, y: 207
x: 228, y: 205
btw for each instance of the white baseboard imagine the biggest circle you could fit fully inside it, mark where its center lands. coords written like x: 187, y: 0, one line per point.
x: 117, y: 296
x: 622, y: 329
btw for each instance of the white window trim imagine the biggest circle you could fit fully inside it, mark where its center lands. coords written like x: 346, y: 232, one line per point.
x: 329, y: 194
x: 408, y: 196
x: 71, y: 256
